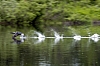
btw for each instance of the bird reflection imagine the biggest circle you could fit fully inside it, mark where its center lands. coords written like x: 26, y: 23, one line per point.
x: 18, y: 41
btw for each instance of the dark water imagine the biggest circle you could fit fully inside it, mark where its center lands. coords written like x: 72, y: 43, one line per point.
x: 31, y: 52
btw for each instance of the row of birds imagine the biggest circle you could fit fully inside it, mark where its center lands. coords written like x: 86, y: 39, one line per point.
x: 56, y: 35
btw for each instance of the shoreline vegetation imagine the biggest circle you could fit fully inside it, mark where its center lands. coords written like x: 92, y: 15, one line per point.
x: 40, y: 13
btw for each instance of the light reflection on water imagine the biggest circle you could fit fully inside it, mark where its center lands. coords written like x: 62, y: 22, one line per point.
x: 66, y: 52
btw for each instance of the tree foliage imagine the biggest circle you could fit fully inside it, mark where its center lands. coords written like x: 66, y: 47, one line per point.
x: 45, y: 12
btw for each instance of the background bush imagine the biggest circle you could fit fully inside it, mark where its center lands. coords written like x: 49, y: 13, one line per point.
x: 46, y: 12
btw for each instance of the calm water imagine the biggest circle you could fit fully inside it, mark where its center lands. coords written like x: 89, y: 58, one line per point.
x: 49, y: 52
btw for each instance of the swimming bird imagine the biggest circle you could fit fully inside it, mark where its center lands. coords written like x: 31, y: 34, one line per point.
x: 17, y: 33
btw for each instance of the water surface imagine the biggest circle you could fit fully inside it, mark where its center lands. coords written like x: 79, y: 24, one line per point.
x: 47, y: 52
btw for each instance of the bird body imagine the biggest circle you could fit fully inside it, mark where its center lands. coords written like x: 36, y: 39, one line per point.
x: 17, y: 33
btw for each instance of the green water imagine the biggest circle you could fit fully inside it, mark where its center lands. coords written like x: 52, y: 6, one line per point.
x: 65, y: 52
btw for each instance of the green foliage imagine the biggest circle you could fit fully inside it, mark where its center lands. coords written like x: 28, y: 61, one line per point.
x: 48, y: 11
x: 7, y: 9
x: 77, y: 11
x: 19, y: 12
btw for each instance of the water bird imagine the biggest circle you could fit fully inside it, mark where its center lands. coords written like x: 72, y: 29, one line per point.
x: 17, y: 33
x: 77, y: 37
